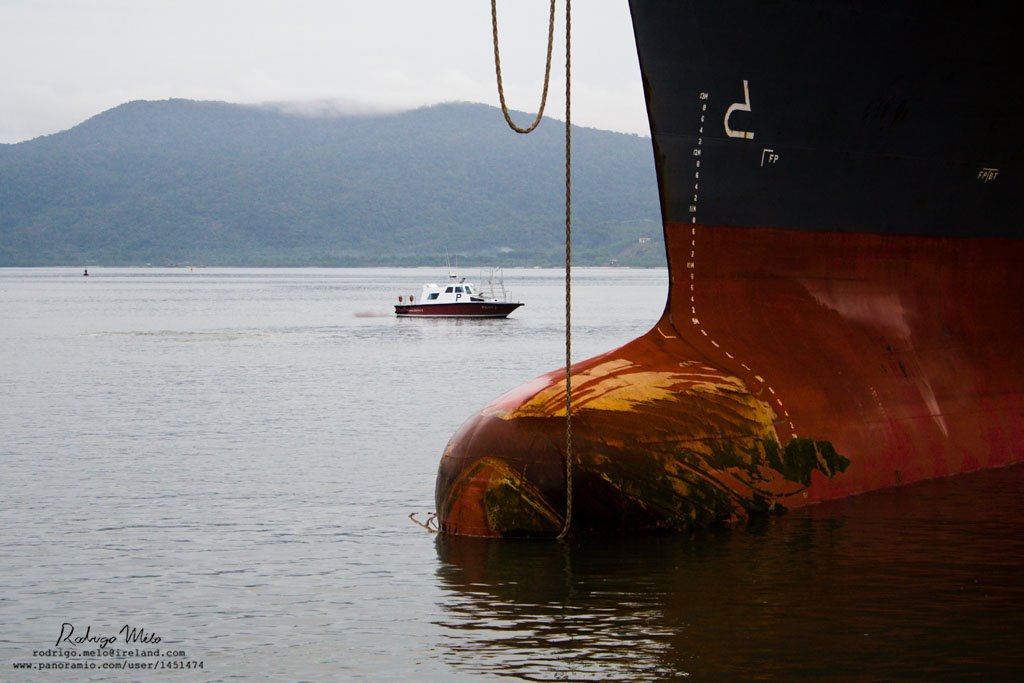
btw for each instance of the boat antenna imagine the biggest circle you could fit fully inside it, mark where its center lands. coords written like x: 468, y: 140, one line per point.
x: 568, y: 214
x: 448, y: 263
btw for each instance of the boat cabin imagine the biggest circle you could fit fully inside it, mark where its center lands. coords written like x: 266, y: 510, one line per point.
x: 450, y: 293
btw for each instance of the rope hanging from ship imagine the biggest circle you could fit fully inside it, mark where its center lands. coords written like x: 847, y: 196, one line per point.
x: 568, y: 212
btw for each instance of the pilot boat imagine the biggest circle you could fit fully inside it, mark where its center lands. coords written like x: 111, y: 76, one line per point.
x: 458, y: 299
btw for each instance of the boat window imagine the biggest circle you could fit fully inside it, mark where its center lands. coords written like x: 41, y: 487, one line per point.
x: 448, y: 290
x: 458, y: 290
x: 469, y: 289
x: 432, y: 296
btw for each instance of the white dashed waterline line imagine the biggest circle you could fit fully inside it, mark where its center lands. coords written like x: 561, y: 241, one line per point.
x: 691, y: 265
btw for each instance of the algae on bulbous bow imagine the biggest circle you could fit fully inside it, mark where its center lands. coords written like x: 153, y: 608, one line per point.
x: 652, y: 449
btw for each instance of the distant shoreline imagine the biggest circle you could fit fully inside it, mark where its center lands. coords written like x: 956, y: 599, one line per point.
x: 468, y: 268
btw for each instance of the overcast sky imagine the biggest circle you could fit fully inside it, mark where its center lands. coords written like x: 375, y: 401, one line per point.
x: 67, y: 60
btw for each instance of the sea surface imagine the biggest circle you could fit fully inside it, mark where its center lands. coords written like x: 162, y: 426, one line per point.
x: 224, y: 461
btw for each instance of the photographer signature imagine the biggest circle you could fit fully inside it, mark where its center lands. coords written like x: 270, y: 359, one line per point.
x: 128, y: 633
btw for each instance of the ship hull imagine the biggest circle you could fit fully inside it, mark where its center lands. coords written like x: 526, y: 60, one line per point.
x: 843, y: 221
x: 457, y: 310
x: 800, y: 368
x: 902, y: 351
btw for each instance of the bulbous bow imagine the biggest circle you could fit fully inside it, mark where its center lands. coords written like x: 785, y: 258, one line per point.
x: 659, y: 442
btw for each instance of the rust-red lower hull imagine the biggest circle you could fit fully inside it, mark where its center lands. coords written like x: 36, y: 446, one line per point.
x: 789, y: 367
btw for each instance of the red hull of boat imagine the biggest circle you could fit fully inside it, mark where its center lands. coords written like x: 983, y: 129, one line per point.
x: 458, y: 310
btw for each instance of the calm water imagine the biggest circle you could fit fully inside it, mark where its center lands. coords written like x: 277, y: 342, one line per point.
x: 227, y: 459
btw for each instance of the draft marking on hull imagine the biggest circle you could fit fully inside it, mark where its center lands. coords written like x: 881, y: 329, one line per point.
x: 734, y: 107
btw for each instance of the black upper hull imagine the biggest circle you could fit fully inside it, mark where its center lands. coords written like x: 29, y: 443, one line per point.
x: 887, y: 117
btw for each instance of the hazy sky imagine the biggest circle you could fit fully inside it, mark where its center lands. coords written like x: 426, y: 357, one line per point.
x: 67, y: 60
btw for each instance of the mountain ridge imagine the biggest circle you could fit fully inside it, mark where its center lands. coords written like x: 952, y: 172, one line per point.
x: 215, y: 183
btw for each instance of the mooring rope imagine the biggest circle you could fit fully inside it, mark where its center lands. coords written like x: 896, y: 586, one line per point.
x: 568, y: 281
x: 497, y: 69
x: 431, y: 523
x: 568, y: 214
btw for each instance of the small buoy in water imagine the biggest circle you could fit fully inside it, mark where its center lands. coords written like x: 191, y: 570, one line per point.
x: 86, y: 273
x: 399, y: 298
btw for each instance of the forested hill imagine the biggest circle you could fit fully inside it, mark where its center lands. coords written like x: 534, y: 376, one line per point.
x: 187, y: 182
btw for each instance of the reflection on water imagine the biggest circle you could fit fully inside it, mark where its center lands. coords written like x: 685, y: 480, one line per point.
x: 921, y: 583
x: 537, y: 610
